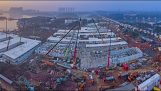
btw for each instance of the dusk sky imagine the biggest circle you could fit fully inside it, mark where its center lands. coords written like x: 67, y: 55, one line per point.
x: 85, y: 5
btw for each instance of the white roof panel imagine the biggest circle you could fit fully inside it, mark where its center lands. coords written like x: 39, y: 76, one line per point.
x: 89, y: 40
x: 107, y: 44
x: 152, y: 79
x: 83, y: 30
x: 12, y: 41
x: 20, y: 50
x: 88, y: 33
x: 6, y: 79
x: 2, y: 35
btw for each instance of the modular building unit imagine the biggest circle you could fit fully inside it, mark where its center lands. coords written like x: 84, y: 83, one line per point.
x: 19, y: 54
x: 10, y: 44
x: 149, y: 83
x: 6, y: 79
x: 87, y: 41
x: 130, y: 54
x: 3, y: 38
x: 107, y: 44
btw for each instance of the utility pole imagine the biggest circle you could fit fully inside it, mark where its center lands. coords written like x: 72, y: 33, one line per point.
x: 8, y: 43
x: 6, y: 26
x: 6, y: 35
x: 21, y: 30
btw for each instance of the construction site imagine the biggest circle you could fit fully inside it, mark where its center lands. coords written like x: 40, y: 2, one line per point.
x: 95, y: 57
x: 92, y: 47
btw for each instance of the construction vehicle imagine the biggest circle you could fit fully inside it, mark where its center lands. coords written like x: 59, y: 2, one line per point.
x: 60, y: 80
x: 46, y: 62
x: 27, y: 83
x: 132, y: 76
x: 158, y: 58
x: 81, y: 86
x: 156, y: 89
x: 91, y: 79
x: 46, y: 56
x: 109, y: 49
x: 68, y: 50
x: 125, y: 67
x: 109, y: 79
x: 123, y: 76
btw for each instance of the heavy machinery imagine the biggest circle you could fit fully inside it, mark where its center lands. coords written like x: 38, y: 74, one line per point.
x: 75, y: 49
x: 46, y: 57
x: 109, y: 50
x: 23, y: 80
x: 67, y: 50
x: 156, y: 89
x: 132, y: 76
x: 158, y: 58
x: 81, y: 86
x: 46, y: 62
x: 61, y: 80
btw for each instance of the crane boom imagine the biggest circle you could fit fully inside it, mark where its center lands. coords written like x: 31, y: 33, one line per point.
x: 109, y: 50
x: 60, y: 40
x: 75, y: 49
x: 97, y: 29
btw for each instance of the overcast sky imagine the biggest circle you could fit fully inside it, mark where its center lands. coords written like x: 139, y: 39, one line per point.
x: 85, y: 5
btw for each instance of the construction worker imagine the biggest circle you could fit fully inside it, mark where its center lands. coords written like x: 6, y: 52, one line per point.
x: 96, y: 72
x: 69, y: 73
x: 73, y: 66
x: 91, y: 79
x: 93, y: 71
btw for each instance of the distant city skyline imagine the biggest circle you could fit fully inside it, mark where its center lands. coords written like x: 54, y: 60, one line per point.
x: 85, y: 5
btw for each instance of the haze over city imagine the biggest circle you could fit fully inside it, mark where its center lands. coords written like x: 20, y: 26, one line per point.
x: 85, y: 5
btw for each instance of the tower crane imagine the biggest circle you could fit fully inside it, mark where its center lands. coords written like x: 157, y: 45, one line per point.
x: 109, y: 50
x: 67, y: 50
x: 46, y: 57
x: 76, y: 45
